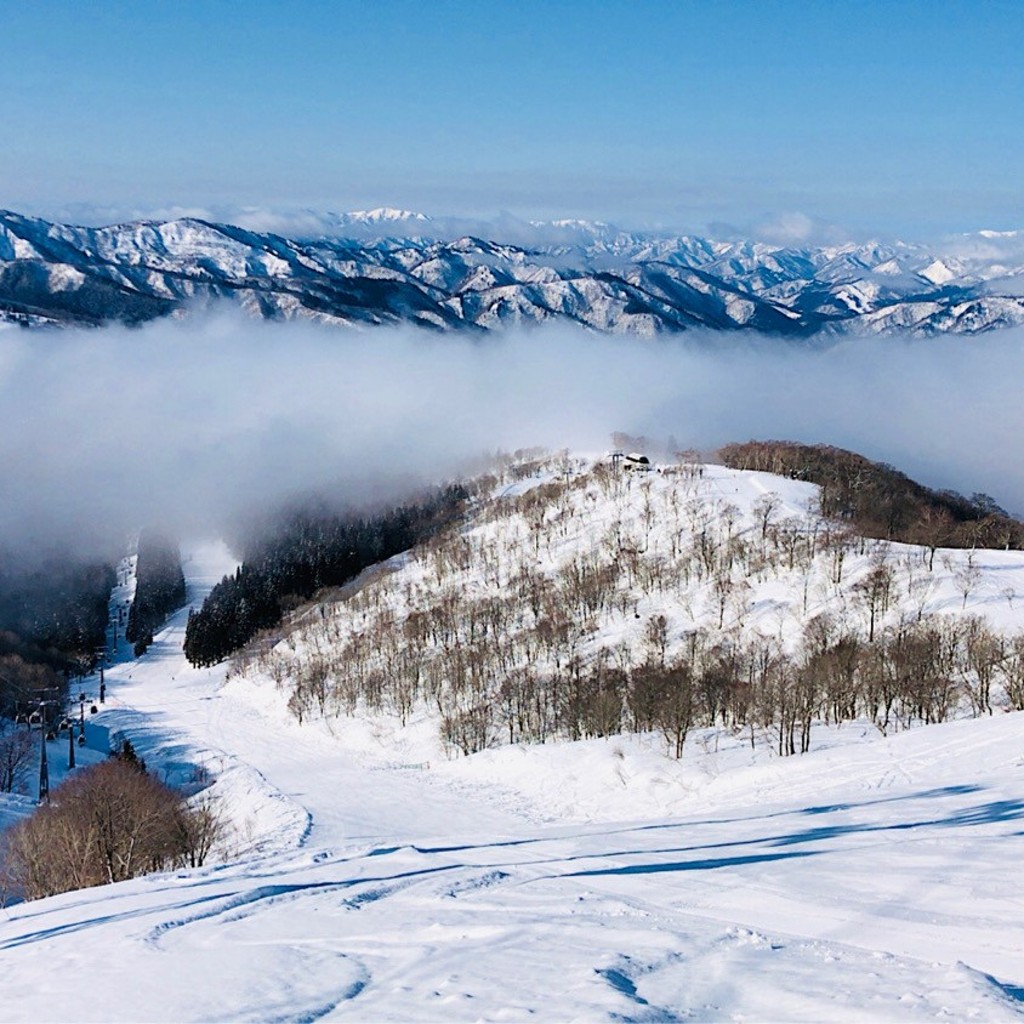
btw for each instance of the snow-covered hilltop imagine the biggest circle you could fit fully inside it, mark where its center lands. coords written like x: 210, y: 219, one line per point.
x: 615, y: 598
x: 391, y: 266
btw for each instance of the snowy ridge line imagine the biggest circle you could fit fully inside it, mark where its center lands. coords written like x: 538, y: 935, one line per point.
x: 592, y: 275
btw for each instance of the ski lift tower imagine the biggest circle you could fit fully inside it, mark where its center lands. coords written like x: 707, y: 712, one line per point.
x: 101, y: 655
x: 40, y: 716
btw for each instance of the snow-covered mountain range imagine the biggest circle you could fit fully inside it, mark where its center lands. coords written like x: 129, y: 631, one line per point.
x: 389, y: 266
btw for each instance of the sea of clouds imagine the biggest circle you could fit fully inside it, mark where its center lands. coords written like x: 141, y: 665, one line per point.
x: 194, y: 425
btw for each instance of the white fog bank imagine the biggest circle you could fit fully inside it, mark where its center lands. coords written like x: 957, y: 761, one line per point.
x: 187, y: 424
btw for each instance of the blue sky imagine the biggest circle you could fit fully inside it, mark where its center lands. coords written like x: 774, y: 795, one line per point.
x: 890, y: 118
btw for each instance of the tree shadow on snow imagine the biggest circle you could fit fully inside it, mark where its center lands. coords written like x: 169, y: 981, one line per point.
x: 988, y: 813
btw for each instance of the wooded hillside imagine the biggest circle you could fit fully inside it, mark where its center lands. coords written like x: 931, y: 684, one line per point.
x: 590, y: 600
x: 878, y: 500
x: 302, y: 553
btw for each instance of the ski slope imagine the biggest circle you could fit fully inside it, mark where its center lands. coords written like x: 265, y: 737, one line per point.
x: 874, y: 879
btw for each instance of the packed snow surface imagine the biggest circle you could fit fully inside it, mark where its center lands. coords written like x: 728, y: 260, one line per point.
x: 876, y: 878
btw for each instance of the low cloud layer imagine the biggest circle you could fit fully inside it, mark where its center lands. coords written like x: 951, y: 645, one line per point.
x: 190, y: 425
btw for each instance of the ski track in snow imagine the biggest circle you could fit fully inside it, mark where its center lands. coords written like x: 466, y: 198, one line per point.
x: 872, y: 881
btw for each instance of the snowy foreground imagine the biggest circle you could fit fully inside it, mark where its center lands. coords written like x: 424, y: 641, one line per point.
x: 874, y: 879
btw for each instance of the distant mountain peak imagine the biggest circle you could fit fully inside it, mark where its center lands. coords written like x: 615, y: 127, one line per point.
x: 388, y: 265
x: 572, y: 222
x: 385, y: 213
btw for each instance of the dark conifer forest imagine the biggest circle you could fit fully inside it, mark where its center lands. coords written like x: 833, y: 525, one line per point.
x: 303, y: 553
x: 159, y: 589
x: 52, y: 623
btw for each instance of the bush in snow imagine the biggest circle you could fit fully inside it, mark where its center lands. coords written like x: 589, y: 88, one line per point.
x: 106, y: 823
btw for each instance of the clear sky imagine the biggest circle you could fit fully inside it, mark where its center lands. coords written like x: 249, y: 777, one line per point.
x: 887, y: 117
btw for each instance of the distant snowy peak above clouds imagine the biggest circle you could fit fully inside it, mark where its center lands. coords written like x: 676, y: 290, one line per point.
x: 381, y: 214
x: 581, y: 225
x: 388, y: 266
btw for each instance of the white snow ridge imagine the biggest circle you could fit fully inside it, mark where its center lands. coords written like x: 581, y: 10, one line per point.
x: 376, y: 874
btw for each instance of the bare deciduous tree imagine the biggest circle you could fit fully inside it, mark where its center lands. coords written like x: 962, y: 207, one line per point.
x: 16, y: 750
x: 109, y: 822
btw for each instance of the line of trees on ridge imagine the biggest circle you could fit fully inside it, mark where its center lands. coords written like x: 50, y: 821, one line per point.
x: 879, y: 501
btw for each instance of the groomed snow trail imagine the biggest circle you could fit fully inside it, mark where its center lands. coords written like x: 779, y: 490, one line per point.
x: 872, y: 881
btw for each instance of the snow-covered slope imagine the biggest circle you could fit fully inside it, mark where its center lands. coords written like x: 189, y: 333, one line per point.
x: 590, y: 599
x: 873, y: 878
x: 387, y: 266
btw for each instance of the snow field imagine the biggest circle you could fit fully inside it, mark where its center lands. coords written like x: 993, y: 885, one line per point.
x: 372, y: 878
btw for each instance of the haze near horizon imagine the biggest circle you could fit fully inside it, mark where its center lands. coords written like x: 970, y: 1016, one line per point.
x: 766, y: 119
